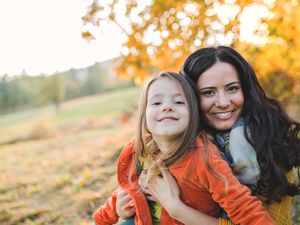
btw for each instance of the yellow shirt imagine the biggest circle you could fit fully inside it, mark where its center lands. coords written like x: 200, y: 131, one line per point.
x: 155, y: 208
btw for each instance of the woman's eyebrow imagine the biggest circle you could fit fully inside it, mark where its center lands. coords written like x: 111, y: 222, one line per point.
x: 234, y: 82
x: 204, y: 88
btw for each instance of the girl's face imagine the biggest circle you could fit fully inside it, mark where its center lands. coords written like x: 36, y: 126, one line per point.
x: 221, y: 95
x: 167, y: 111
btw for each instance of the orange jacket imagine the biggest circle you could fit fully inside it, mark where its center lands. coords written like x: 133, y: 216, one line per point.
x: 199, y: 187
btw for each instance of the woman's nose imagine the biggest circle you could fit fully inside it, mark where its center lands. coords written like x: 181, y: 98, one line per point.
x: 222, y: 101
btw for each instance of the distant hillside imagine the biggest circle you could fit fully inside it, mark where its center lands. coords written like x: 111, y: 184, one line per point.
x: 26, y: 91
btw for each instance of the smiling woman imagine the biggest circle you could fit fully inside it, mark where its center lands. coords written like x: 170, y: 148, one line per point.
x: 222, y: 98
x: 253, y: 132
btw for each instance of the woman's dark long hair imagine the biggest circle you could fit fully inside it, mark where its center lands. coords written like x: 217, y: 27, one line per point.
x: 273, y: 135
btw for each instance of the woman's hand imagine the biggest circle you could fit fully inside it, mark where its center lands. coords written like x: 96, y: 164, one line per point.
x: 124, y: 205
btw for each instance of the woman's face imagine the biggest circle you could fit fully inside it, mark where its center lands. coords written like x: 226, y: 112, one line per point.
x: 221, y: 95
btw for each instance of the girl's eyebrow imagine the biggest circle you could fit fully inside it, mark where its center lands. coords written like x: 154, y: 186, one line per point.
x: 178, y: 94
x: 160, y: 95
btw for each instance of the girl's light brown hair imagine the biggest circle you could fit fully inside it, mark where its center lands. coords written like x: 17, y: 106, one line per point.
x: 145, y: 146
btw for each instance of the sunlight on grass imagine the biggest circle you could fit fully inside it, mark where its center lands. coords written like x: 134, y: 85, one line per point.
x: 58, y: 168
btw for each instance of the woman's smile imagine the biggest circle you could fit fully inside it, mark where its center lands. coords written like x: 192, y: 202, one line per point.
x: 223, y: 115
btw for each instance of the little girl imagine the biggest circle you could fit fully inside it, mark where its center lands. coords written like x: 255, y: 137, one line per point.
x: 168, y: 138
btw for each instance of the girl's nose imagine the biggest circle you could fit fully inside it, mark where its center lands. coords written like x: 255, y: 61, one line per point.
x: 167, y: 107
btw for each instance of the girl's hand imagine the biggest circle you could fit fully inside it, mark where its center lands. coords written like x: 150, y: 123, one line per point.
x: 163, y: 190
x: 124, y: 205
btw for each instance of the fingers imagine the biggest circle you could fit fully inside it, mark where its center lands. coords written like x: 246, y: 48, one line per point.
x: 121, y: 193
x: 127, y: 213
x: 130, y: 212
x: 151, y: 198
x: 129, y: 204
x: 123, y: 198
x: 143, y: 179
x: 150, y: 194
x: 124, y: 205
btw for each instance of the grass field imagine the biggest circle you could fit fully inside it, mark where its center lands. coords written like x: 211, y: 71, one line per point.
x: 56, y: 168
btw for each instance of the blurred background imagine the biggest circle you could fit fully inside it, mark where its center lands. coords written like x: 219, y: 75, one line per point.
x: 70, y: 77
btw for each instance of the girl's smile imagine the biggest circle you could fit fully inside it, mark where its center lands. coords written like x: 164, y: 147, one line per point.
x: 167, y: 112
x: 167, y: 119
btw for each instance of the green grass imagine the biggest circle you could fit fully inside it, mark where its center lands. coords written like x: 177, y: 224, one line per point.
x: 60, y: 167
x: 64, y: 166
x: 95, y: 110
x: 101, y: 105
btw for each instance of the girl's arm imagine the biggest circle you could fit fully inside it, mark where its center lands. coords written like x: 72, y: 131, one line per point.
x: 227, y: 191
x: 107, y: 214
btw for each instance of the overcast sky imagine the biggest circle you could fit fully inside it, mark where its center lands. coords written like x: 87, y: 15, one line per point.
x: 44, y: 36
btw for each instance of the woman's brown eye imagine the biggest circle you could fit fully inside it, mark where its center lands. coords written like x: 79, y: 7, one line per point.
x: 233, y: 88
x: 207, y: 93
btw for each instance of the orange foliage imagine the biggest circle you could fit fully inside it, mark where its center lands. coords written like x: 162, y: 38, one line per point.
x: 161, y: 34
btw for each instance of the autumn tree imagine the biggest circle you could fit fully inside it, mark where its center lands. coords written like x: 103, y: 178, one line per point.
x: 277, y: 61
x: 160, y: 34
x: 52, y: 90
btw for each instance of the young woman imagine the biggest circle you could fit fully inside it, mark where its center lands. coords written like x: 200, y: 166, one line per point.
x: 168, y: 138
x: 253, y: 132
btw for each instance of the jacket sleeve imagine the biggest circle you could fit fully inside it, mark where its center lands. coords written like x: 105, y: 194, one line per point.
x: 107, y: 214
x: 233, y: 197
x: 279, y: 211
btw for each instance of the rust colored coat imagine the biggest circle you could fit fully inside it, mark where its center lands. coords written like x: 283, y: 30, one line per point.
x: 199, y: 187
